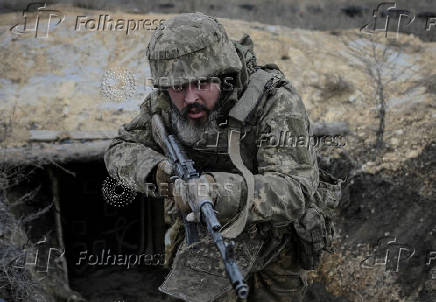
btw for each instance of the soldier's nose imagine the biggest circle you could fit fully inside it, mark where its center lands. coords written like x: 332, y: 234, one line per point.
x: 191, y: 95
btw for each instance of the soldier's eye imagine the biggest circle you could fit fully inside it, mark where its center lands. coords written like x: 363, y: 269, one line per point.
x: 178, y: 89
x: 202, y: 84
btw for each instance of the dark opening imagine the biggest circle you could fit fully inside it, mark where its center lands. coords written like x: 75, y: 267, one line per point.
x: 112, y: 253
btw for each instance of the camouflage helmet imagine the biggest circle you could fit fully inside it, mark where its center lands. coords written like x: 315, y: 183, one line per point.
x: 188, y: 47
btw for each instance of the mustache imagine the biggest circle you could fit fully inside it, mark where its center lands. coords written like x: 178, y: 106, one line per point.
x: 199, y: 106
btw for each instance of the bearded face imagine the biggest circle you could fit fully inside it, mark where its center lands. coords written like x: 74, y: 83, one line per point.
x: 193, y: 110
x: 189, y: 131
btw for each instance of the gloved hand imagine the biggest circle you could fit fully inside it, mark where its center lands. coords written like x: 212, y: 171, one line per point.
x: 189, y: 195
x: 163, y: 174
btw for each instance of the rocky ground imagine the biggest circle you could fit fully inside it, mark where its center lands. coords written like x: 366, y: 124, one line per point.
x: 389, y: 199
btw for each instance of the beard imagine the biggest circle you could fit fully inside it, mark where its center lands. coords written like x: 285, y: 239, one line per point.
x: 190, y: 131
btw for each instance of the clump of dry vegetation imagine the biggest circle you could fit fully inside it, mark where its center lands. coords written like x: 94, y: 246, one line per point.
x: 16, y: 282
x: 334, y: 85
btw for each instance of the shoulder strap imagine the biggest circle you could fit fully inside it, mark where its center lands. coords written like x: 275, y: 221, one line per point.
x: 262, y: 83
x: 252, y: 95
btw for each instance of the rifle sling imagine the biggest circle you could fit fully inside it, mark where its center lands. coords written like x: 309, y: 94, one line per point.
x: 234, y: 147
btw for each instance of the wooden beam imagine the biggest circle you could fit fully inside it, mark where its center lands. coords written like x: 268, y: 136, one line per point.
x: 45, y: 153
x: 56, y: 135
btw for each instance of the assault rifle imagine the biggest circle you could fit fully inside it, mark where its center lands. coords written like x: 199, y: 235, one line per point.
x: 185, y: 170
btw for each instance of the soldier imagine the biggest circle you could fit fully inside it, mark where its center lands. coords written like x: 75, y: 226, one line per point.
x: 222, y: 106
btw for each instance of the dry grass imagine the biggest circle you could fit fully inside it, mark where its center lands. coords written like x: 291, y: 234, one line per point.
x: 16, y: 282
x: 333, y: 85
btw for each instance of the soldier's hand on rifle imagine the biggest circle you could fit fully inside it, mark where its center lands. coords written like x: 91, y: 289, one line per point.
x: 163, y: 173
x: 189, y: 195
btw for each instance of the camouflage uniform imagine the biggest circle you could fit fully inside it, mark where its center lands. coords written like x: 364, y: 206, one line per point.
x: 286, y: 178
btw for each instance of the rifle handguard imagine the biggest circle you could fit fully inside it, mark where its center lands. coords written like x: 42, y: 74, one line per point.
x: 206, y: 209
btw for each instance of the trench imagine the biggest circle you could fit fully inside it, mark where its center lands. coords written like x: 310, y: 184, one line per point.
x: 372, y: 205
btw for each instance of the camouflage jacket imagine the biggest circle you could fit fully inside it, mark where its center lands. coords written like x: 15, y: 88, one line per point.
x: 286, y: 174
x: 273, y: 146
